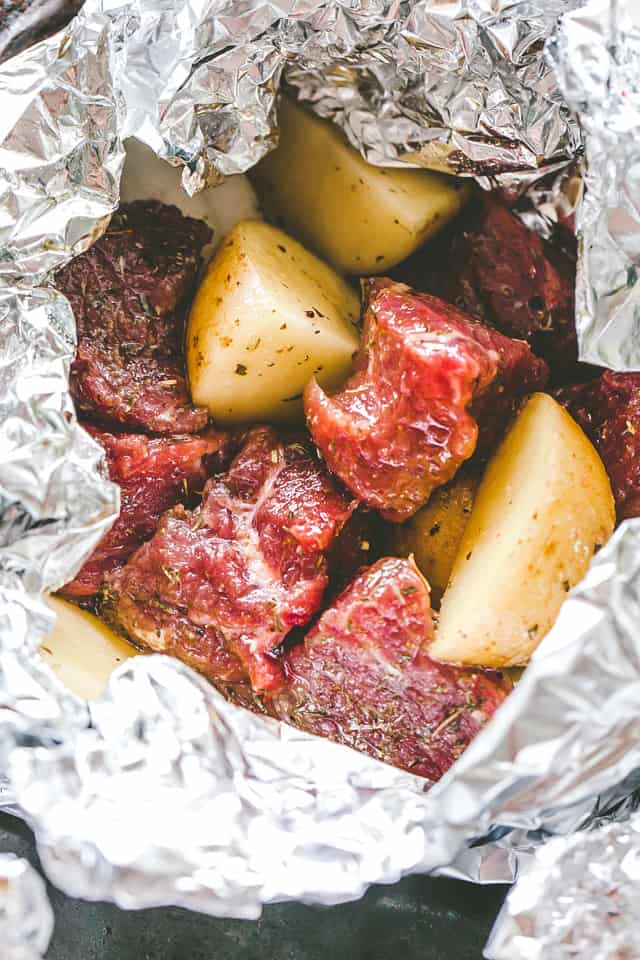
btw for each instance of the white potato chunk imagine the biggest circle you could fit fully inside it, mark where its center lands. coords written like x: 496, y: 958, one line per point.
x: 543, y: 507
x: 433, y: 534
x: 147, y: 177
x: 267, y: 317
x: 81, y: 650
x: 362, y: 219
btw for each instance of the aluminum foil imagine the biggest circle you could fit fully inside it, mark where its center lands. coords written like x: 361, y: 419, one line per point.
x: 23, y: 22
x: 26, y: 918
x: 579, y: 898
x: 161, y: 792
x: 60, y: 153
x: 596, y: 55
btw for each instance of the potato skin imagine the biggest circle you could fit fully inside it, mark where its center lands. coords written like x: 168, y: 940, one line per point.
x: 433, y: 534
x: 361, y: 218
x: 267, y: 317
x: 543, y: 507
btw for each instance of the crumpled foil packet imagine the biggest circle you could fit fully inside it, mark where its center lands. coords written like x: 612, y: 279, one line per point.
x: 26, y: 917
x: 579, y: 898
x: 161, y: 792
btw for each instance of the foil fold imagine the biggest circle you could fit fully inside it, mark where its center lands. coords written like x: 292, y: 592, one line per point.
x: 175, y: 796
x: 595, y: 55
x: 578, y: 898
x: 161, y: 792
x: 60, y: 152
x: 26, y: 917
x: 55, y: 502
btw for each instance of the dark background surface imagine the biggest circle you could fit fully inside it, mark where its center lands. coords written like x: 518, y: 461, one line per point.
x: 421, y: 918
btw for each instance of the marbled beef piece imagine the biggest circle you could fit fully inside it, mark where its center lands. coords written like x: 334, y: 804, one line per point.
x: 608, y: 410
x: 493, y: 267
x: 363, y: 677
x: 153, y: 475
x: 127, y: 293
x: 406, y: 420
x: 221, y: 586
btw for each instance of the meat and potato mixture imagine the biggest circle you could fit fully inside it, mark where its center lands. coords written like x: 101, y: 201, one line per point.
x: 360, y: 462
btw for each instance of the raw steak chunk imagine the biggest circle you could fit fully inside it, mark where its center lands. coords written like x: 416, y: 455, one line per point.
x: 608, y: 410
x: 363, y: 677
x: 221, y: 586
x: 406, y: 419
x: 153, y: 475
x: 498, y: 271
x: 127, y: 294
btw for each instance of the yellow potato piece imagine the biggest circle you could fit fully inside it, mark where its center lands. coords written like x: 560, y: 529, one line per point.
x: 544, y: 505
x: 361, y: 218
x: 82, y: 650
x: 267, y: 317
x: 433, y: 534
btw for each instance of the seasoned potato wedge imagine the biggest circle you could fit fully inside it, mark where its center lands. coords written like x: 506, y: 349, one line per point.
x: 82, y: 650
x: 361, y: 218
x: 433, y: 534
x: 268, y: 316
x: 544, y: 505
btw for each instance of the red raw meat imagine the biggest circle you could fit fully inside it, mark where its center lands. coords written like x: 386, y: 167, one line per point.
x: 127, y: 293
x: 153, y: 475
x: 497, y: 270
x: 221, y: 586
x: 363, y: 677
x: 608, y: 410
x: 406, y: 420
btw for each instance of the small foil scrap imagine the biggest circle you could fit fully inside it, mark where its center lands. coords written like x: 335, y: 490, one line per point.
x: 26, y: 917
x: 578, y: 898
x: 596, y: 55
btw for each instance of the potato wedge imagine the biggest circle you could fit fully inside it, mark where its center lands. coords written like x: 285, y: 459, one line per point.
x: 362, y: 219
x: 267, y: 317
x: 82, y: 650
x: 544, y: 505
x: 433, y: 534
